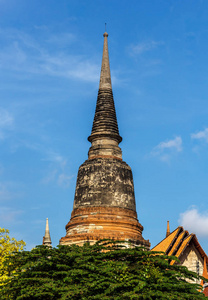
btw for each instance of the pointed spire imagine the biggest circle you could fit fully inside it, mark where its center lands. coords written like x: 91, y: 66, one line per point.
x: 105, y: 76
x: 47, y: 237
x: 105, y: 134
x: 168, y: 229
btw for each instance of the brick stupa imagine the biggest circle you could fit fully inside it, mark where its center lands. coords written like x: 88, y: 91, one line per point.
x: 104, y: 203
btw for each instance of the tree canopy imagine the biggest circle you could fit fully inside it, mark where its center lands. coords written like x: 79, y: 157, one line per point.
x: 8, y: 246
x: 101, y: 271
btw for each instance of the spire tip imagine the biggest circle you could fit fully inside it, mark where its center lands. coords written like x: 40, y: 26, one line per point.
x: 105, y: 33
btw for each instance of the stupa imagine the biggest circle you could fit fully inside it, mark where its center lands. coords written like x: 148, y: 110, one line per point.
x: 47, y: 237
x: 104, y: 203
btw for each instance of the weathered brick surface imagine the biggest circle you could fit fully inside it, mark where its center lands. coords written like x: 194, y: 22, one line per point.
x: 105, y: 134
x: 105, y: 182
x: 95, y: 223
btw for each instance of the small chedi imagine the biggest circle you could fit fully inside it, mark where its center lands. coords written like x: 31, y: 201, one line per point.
x: 47, y: 237
x: 104, y: 203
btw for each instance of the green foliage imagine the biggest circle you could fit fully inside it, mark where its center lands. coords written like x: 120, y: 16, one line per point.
x: 99, y: 271
x: 8, y: 246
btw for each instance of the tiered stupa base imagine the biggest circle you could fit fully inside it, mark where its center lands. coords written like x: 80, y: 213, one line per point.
x: 95, y: 223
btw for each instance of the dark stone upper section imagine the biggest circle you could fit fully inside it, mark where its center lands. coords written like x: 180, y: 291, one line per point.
x: 105, y: 121
x: 105, y: 182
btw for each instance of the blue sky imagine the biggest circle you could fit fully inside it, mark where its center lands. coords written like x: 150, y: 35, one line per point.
x: 50, y: 59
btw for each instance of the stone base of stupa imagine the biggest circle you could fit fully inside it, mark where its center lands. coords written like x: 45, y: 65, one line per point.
x: 90, y: 224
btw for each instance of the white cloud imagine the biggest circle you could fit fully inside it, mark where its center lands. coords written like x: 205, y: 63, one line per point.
x: 69, y: 66
x: 165, y: 150
x: 143, y: 47
x: 201, y: 135
x: 171, y: 144
x: 195, y: 222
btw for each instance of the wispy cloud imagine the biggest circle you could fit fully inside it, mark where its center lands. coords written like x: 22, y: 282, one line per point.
x: 58, y: 176
x: 5, y: 194
x: 165, y: 150
x: 64, y: 179
x: 54, y: 157
x: 61, y: 40
x: 24, y: 54
x: 58, y: 170
x: 9, y: 215
x: 201, y: 135
x: 195, y: 222
x: 6, y: 122
x: 50, y: 177
x: 10, y: 190
x: 143, y: 47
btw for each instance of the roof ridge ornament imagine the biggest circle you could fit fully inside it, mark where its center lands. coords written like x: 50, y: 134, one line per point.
x: 168, y: 229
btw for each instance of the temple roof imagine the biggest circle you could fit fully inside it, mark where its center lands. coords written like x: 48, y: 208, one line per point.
x: 168, y: 242
x: 184, y: 243
x: 176, y: 243
x: 205, y: 274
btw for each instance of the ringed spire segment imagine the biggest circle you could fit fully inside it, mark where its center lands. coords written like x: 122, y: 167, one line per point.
x: 105, y: 133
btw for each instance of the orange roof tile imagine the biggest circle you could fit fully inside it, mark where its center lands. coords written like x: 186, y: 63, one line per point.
x: 178, y: 242
x: 183, y: 246
x: 199, y: 248
x: 205, y: 274
x: 167, y: 242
